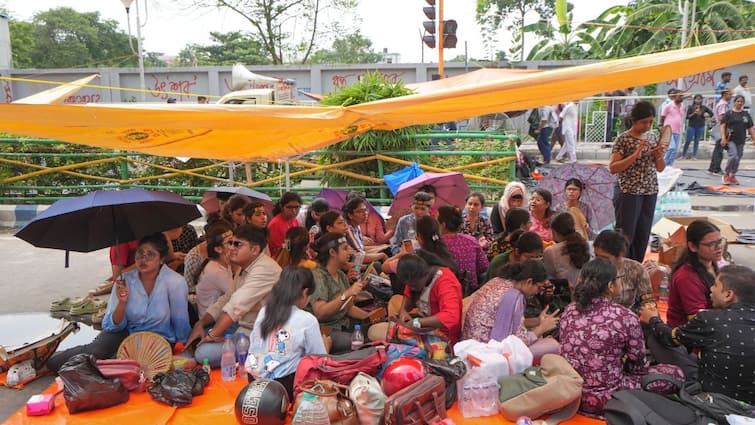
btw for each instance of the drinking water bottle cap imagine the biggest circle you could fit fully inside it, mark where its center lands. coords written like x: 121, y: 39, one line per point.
x: 228, y: 335
x: 357, y: 327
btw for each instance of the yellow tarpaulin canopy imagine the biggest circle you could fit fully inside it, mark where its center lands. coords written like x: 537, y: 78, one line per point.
x: 249, y: 132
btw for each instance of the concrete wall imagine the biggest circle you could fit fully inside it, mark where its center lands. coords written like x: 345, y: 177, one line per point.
x: 5, y: 50
x: 186, y: 83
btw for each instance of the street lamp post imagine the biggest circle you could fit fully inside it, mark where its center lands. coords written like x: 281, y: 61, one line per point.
x: 139, y: 52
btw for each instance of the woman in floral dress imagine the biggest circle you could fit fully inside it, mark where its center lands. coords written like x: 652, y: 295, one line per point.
x: 603, y: 340
x: 475, y: 224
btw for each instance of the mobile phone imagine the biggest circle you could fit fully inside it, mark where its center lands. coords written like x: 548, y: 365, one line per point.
x: 408, y: 246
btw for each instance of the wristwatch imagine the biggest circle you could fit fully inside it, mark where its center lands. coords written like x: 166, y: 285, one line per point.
x: 416, y: 323
x: 343, y: 298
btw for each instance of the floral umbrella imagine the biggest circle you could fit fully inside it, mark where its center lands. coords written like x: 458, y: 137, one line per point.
x: 598, y: 192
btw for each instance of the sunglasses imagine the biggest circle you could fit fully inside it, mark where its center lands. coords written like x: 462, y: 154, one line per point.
x: 517, y: 197
x: 714, y: 244
x: 148, y: 255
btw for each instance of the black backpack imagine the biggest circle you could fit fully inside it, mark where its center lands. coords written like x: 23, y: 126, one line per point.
x: 691, y: 405
x: 534, y: 121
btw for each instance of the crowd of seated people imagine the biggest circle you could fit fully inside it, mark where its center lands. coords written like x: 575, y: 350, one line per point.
x: 604, y: 323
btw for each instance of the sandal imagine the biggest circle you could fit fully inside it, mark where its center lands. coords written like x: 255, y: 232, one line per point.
x: 63, y: 304
x: 88, y: 306
x: 104, y: 289
x: 97, y: 317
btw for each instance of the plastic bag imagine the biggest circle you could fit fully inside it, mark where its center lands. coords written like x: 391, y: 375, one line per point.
x: 178, y: 387
x: 85, y: 388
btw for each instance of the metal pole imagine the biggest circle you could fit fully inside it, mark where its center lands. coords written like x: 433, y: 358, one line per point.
x: 288, y: 176
x: 466, y: 57
x: 441, y: 39
x: 684, y: 10
x: 142, y: 86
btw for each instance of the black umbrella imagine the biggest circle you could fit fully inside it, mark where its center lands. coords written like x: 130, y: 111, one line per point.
x: 107, y: 217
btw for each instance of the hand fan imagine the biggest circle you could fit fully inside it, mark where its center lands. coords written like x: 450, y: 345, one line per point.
x: 665, y: 137
x: 151, y: 350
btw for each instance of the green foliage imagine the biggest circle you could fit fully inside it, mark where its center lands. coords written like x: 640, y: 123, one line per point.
x: 371, y: 86
x: 65, y: 38
x: 497, y: 171
x: 353, y: 48
x: 227, y: 49
x: 284, y: 28
x: 492, y: 14
x: 60, y: 184
x: 662, y: 18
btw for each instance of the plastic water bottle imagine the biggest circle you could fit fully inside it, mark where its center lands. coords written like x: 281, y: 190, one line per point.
x: 523, y: 420
x: 357, y: 338
x: 228, y: 359
x: 663, y: 288
x: 310, y: 412
x: 242, y: 349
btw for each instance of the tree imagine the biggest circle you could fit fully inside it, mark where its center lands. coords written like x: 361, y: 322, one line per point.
x: 274, y: 23
x: 353, y: 48
x: 655, y: 25
x: 492, y: 14
x: 569, y: 43
x: 228, y: 48
x: 22, y: 42
x: 64, y: 38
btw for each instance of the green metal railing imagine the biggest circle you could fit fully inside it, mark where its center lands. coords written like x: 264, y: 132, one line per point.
x: 25, y: 176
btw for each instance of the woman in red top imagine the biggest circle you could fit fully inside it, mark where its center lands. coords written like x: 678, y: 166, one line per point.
x: 435, y: 291
x: 284, y: 218
x: 694, y: 273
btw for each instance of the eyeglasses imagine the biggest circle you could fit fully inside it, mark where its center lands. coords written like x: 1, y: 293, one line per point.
x: 361, y: 210
x: 234, y: 244
x: 714, y: 244
x: 517, y: 197
x: 148, y: 255
x: 292, y: 207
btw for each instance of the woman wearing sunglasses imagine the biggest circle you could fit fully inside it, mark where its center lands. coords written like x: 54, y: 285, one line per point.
x: 695, y: 272
x: 284, y: 218
x: 332, y: 301
x: 151, y: 297
x: 215, y: 275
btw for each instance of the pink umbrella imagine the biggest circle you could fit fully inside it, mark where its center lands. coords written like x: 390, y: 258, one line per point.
x: 451, y: 187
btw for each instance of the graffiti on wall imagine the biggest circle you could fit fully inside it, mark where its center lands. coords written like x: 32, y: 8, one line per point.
x: 83, y: 98
x: 343, y: 80
x: 8, y: 91
x: 178, y: 88
x: 702, y: 82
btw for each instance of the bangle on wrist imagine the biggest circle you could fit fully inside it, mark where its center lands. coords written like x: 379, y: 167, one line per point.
x: 209, y: 333
x: 416, y: 323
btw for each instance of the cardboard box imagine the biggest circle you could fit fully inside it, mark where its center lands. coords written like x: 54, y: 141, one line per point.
x: 674, y: 229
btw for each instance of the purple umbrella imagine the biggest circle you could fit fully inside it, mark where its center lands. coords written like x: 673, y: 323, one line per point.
x: 336, y: 198
x: 451, y: 187
x: 598, y: 192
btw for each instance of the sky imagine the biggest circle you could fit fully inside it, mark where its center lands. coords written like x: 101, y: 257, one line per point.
x: 390, y: 24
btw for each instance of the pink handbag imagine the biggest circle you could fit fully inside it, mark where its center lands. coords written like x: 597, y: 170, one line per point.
x: 127, y: 371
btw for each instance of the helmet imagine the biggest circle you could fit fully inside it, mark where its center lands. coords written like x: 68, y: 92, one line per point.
x: 401, y: 373
x: 263, y: 401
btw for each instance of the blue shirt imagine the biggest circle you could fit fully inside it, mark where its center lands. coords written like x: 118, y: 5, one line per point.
x: 406, y: 228
x: 719, y: 87
x: 164, y: 311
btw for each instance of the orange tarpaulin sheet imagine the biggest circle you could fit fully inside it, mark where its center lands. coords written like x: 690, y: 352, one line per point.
x: 250, y: 132
x: 214, y: 407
